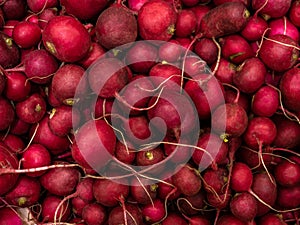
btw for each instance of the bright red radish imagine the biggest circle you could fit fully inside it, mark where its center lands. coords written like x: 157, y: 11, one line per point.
x: 49, y: 207
x: 9, y: 216
x: 38, y: 5
x: 271, y: 8
x: 155, y: 212
x: 287, y: 174
x: 241, y: 177
x: 26, y: 34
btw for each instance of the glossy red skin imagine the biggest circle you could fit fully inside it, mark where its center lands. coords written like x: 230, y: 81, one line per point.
x: 9, y: 216
x: 37, y: 5
x: 17, y: 87
x: 154, y: 212
x: 186, y: 23
x: 273, y: 9
x: 66, y: 38
x: 283, y: 26
x: 26, y: 34
x: 294, y: 14
x: 254, y: 28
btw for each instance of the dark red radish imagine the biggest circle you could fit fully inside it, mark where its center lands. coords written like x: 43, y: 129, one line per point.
x: 224, y: 71
x: 107, y: 76
x: 154, y: 212
x: 265, y: 190
x: 44, y: 136
x: 123, y: 154
x: 260, y: 130
x: 216, y: 151
x: 7, y: 113
x: 94, y: 214
x: 207, y: 50
x: 78, y: 205
x: 133, y: 215
x: 225, y: 19
x: 214, y: 181
x: 250, y: 75
x: 2, y: 22
x: 26, y: 34
x: 25, y: 193
x: 279, y: 52
x: 194, y: 65
x: 40, y: 5
x: 95, y: 144
x: 167, y: 73
x: 190, y: 3
x: 9, y: 27
x: 283, y: 26
x: 200, y: 10
x: 35, y: 156
x: 241, y: 177
x: 293, y: 14
x: 141, y: 57
x: 170, y: 51
x: 243, y: 206
x: 174, y: 218
x: 242, y: 99
x: 149, y: 157
x: 84, y: 10
x: 46, y: 15
x: 63, y: 119
x: 191, y: 205
x: 66, y: 38
x: 39, y: 65
x: 219, y: 201
x: 287, y: 174
x: 17, y: 88
x: 9, y: 216
x: 235, y: 48
x: 116, y: 26
x: 289, y: 197
x: 206, y: 93
x: 186, y: 23
x: 166, y: 189
x: 271, y: 8
x: 15, y: 143
x: 49, y: 207
x: 67, y: 81
x: 265, y: 101
x: 14, y: 9
x: 84, y: 189
x: 255, y: 28
x: 198, y: 220
x: 288, y: 133
x: 159, y: 27
x: 143, y: 194
x: 220, y: 2
x: 19, y: 127
x: 136, y: 5
x: 229, y: 219
x: 32, y: 109
x: 290, y: 90
x: 187, y: 180
x: 271, y: 219
x: 10, y: 54
x: 95, y: 53
x: 117, y: 192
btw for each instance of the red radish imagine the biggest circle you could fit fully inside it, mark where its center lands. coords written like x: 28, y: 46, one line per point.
x: 19, y: 127
x: 10, y: 216
x: 235, y: 48
x: 110, y: 35
x: 166, y: 189
x: 215, y: 180
x: 265, y: 101
x: 17, y: 87
x: 287, y: 174
x: 194, y: 65
x: 32, y: 109
x: 207, y: 50
x: 70, y: 49
x: 14, y: 9
x: 10, y: 55
x: 186, y: 23
x: 162, y: 26
x: 199, y: 10
x: 255, y: 28
x: 224, y: 71
x: 271, y: 8
x: 111, y: 78
x: 174, y: 218
x: 288, y: 197
x: 260, y: 130
x: 95, y: 53
x: 265, y: 190
x: 94, y: 214
x: 2, y: 22
x: 170, y: 51
x: 49, y: 207
x: 199, y: 220
x: 9, y: 27
x: 149, y: 157
x: 220, y: 201
x: 7, y: 113
x: 143, y: 194
x: 68, y: 80
x: 294, y: 13
x: 141, y: 57
x: 78, y: 205
x: 241, y: 177
x: 229, y: 219
x: 136, y: 5
x: 40, y: 5
x: 190, y: 204
x: 123, y: 154
x: 117, y: 192
x: 190, y: 3
x: 26, y: 34
x: 250, y: 75
x: 187, y: 180
x: 289, y: 87
x: 15, y: 143
x: 271, y: 219
x: 84, y: 10
x: 277, y: 52
x: 155, y: 212
x: 39, y: 65
x: 84, y: 189
x: 225, y: 19
x: 243, y: 206
x: 25, y: 193
x: 283, y: 26
x: 242, y: 99
x: 45, y: 16
x: 133, y: 214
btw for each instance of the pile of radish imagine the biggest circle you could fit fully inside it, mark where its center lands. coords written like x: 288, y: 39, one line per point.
x: 145, y: 112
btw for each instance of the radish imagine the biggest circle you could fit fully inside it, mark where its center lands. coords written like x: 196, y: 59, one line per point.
x: 110, y: 35
x: 94, y: 214
x: 19, y: 127
x: 215, y: 180
x: 199, y: 10
x: 255, y: 28
x: 271, y: 219
x: 25, y: 193
x: 154, y: 212
x: 170, y: 51
x: 15, y: 143
x: 26, y: 34
x: 158, y: 27
x: 45, y: 16
x: 143, y: 194
x: 294, y: 13
x: 123, y: 155
x: 95, y: 53
x: 287, y: 174
x: 50, y: 206
x: 70, y: 49
x: 136, y: 5
x: 10, y: 216
x: 224, y: 71
x: 133, y: 215
x: 207, y: 50
x: 229, y: 219
x: 40, y: 5
x: 288, y: 197
x: 190, y: 205
x: 271, y: 8
x: 283, y: 26
x: 7, y: 113
x: 242, y: 99
x: 14, y: 9
x: 185, y: 23
x: 10, y: 55
x: 85, y: 10
x: 241, y: 177
x: 174, y: 218
x: 243, y: 206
